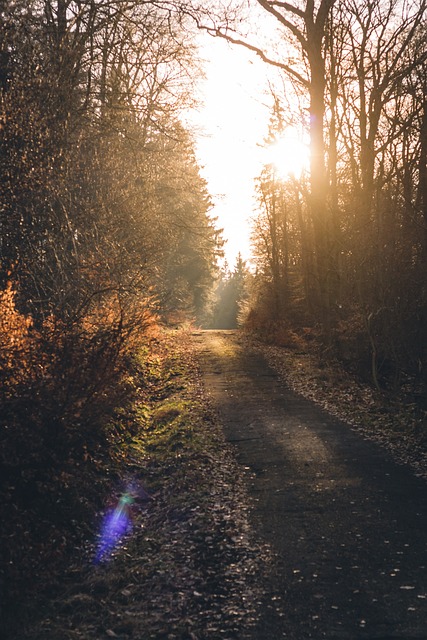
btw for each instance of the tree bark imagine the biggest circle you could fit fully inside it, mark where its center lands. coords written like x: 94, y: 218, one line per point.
x: 422, y: 184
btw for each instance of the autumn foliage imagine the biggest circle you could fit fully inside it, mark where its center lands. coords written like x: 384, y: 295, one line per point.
x: 16, y: 345
x: 61, y: 387
x: 105, y: 229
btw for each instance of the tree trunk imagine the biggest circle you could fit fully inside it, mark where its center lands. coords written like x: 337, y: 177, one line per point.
x: 318, y: 182
x: 422, y: 183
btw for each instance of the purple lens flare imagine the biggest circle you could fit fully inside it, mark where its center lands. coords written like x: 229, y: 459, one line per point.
x: 116, y: 526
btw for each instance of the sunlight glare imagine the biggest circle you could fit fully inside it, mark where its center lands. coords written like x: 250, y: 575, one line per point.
x: 289, y: 156
x: 233, y: 120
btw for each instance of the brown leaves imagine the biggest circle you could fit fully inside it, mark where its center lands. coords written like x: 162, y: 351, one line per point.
x: 391, y: 420
x: 16, y: 342
x: 190, y: 568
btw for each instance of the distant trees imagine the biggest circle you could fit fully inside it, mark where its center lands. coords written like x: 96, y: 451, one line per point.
x: 230, y: 297
x: 104, y: 219
x: 345, y: 245
x: 105, y: 227
x: 89, y: 141
x: 305, y: 29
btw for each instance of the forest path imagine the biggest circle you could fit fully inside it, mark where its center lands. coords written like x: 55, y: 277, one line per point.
x: 346, y: 525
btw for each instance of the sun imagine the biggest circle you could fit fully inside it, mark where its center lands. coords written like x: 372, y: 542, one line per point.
x: 289, y: 155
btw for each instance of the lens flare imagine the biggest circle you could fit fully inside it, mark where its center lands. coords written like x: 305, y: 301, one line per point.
x: 116, y: 526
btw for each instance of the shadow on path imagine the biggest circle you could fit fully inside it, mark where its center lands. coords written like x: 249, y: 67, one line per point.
x: 346, y: 525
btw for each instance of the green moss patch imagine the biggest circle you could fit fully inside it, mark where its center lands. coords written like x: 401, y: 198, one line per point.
x: 190, y: 568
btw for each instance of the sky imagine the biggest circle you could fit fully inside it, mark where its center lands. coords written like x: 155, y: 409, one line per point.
x: 231, y: 122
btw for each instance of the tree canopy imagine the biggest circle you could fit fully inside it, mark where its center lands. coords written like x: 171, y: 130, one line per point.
x: 343, y: 246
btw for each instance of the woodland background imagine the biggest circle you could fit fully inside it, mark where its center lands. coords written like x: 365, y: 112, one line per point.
x: 107, y: 229
x: 105, y: 233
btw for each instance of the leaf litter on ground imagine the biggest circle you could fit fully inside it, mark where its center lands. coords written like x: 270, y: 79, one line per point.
x: 191, y: 567
x: 388, y: 418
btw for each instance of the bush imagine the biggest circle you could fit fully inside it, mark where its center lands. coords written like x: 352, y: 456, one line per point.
x: 61, y: 384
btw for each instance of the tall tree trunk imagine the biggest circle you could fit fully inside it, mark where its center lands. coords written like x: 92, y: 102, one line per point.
x: 422, y: 180
x: 335, y: 240
x: 318, y: 182
x: 316, y: 26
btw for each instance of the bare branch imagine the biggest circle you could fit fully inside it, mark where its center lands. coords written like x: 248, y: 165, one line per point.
x: 285, y: 22
x: 289, y: 7
x: 259, y: 52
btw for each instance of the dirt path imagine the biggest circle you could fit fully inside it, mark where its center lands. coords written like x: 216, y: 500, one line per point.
x: 347, y: 526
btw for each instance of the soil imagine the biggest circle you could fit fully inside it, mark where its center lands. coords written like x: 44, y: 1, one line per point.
x: 345, y: 521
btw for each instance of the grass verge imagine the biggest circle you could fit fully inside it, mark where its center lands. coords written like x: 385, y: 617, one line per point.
x: 188, y: 569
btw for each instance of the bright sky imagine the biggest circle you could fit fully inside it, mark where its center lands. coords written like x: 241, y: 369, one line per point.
x: 233, y: 122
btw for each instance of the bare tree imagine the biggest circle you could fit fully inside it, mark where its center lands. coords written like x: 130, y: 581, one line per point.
x: 305, y: 25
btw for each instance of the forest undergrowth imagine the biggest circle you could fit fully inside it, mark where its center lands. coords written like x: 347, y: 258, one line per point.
x: 394, y: 418
x: 187, y: 566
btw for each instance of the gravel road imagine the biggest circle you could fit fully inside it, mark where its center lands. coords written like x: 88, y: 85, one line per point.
x: 346, y: 525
